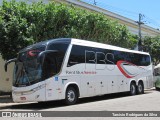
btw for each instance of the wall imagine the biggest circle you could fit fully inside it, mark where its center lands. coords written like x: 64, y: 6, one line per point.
x: 5, y: 77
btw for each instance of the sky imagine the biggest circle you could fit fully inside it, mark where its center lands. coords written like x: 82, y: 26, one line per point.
x: 150, y: 9
x: 131, y: 9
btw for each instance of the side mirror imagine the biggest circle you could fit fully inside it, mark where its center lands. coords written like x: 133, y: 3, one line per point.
x: 8, y: 62
x: 43, y: 53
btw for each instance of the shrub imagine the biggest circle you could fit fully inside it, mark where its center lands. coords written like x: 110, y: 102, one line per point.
x: 22, y: 24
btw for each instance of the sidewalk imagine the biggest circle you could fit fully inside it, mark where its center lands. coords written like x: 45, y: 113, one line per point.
x: 5, y: 99
x: 7, y: 102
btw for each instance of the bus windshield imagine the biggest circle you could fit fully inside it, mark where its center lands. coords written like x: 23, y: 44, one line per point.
x: 27, y: 70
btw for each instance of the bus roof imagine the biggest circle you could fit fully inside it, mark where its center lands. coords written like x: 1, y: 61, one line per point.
x: 45, y: 43
x: 83, y: 43
x: 101, y: 45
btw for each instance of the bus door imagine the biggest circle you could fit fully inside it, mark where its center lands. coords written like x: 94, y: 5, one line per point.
x: 50, y: 73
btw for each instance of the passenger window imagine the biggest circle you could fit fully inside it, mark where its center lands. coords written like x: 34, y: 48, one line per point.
x: 76, y: 56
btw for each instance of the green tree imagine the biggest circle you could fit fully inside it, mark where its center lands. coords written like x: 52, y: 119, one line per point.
x: 152, y: 45
x: 22, y: 24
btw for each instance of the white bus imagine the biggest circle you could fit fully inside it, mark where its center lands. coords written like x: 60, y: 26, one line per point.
x: 71, y: 68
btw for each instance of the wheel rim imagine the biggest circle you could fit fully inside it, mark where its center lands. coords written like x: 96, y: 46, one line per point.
x: 71, y: 96
x: 140, y: 88
x: 133, y: 89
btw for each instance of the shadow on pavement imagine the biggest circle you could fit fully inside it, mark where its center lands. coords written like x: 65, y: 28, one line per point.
x: 56, y: 104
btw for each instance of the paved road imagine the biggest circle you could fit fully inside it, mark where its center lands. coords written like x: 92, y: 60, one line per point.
x: 150, y: 101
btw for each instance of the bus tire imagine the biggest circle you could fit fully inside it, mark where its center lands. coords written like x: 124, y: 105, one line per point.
x: 71, y: 96
x: 132, y: 89
x: 158, y: 89
x: 140, y: 88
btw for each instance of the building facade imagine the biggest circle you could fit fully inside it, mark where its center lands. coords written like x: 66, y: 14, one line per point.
x: 131, y: 24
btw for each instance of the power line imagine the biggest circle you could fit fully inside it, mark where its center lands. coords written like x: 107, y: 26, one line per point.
x: 126, y: 13
x: 152, y: 21
x: 109, y: 7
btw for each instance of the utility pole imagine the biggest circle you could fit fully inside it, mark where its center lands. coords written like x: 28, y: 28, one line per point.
x: 139, y: 33
x: 95, y: 2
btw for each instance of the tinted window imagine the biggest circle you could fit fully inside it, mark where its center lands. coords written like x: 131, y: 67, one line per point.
x: 141, y: 60
x: 58, y: 46
x: 100, y: 58
x: 83, y: 54
x: 61, y: 48
x: 134, y: 58
x: 77, y: 55
x: 53, y: 61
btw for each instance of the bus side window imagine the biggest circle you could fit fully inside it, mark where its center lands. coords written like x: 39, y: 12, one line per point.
x: 76, y: 56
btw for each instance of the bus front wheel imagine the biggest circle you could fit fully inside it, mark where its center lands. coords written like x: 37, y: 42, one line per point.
x: 71, y: 96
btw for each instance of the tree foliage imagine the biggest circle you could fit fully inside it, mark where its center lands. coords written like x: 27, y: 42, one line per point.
x: 22, y: 24
x: 152, y: 45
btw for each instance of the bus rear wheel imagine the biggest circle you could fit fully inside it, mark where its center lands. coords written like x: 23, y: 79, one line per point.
x: 71, y: 96
x: 140, y: 88
x: 132, y: 89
